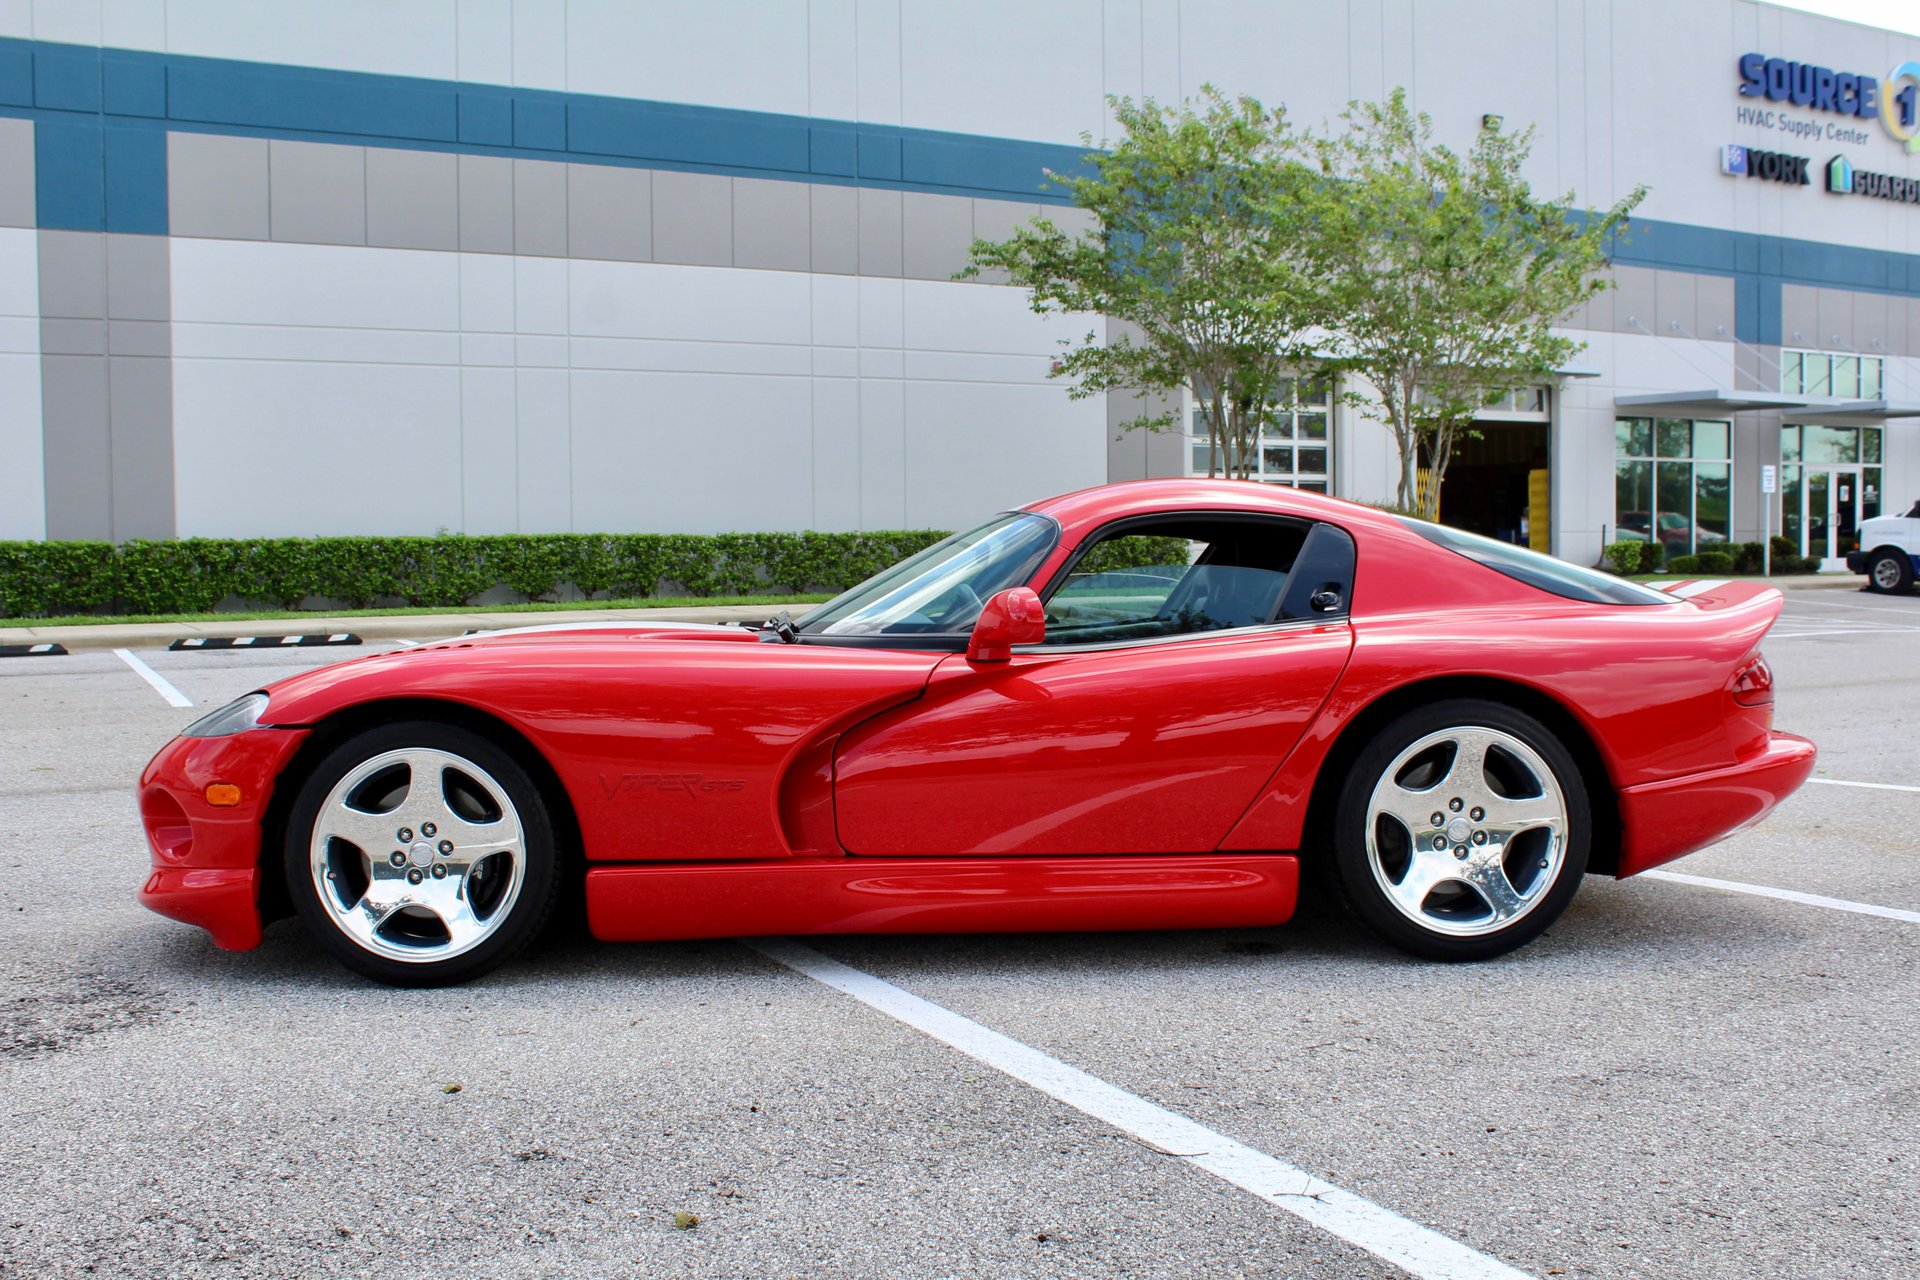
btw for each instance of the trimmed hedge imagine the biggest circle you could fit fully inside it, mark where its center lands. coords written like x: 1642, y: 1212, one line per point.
x: 193, y: 575
x: 1628, y: 558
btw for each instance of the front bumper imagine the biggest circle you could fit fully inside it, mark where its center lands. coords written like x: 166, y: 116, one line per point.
x: 1662, y: 821
x: 206, y: 858
x: 1857, y: 562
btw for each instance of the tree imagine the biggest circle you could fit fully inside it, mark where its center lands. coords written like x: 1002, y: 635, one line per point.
x: 1450, y: 274
x: 1198, y: 240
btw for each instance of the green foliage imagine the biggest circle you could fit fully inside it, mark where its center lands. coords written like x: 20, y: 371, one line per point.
x: 1201, y: 244
x: 194, y: 575
x: 1787, y: 557
x: 1450, y: 274
x: 1683, y: 564
x: 41, y: 578
x: 1629, y: 558
x: 1747, y: 556
x: 1135, y: 552
x: 1713, y: 562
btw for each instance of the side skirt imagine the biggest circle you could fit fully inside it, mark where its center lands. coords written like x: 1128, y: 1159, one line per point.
x: 658, y: 901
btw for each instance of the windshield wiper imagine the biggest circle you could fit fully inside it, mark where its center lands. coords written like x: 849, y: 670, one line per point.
x: 781, y: 624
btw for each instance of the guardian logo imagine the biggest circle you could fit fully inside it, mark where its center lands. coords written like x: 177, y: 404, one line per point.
x: 1840, y: 176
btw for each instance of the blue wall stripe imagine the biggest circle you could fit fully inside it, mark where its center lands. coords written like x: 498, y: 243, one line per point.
x: 102, y: 117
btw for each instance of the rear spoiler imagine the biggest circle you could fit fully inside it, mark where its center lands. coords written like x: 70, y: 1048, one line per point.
x: 1724, y: 593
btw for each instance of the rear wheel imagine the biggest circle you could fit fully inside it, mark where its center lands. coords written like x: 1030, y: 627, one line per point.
x: 1461, y: 831
x: 421, y: 854
x: 1890, y: 571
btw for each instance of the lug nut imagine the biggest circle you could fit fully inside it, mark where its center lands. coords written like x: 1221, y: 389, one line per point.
x: 446, y: 846
x: 397, y: 858
x: 414, y: 876
x: 439, y: 871
x: 1460, y: 851
x: 427, y: 828
x: 1439, y: 820
x: 1479, y: 837
x: 405, y: 834
x: 1454, y: 804
x: 1477, y: 814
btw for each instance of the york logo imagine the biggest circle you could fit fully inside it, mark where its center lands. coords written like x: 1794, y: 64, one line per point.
x: 1772, y: 166
x: 691, y: 784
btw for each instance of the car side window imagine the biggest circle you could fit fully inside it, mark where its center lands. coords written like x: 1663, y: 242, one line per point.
x: 1175, y: 576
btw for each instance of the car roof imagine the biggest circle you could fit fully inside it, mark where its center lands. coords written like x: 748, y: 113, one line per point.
x: 1085, y: 508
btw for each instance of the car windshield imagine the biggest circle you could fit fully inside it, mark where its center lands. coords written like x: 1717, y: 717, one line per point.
x: 942, y: 588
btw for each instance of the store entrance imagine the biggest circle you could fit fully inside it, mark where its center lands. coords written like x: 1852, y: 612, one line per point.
x: 1497, y: 485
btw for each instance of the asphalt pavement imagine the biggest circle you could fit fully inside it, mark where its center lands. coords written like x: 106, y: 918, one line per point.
x: 1677, y: 1079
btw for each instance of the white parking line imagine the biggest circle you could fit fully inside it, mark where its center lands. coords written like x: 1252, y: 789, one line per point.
x: 1870, y: 786
x: 1418, y: 1250
x: 174, y: 697
x: 1789, y: 895
x: 1846, y: 631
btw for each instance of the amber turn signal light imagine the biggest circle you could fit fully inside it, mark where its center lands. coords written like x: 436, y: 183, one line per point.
x: 222, y: 795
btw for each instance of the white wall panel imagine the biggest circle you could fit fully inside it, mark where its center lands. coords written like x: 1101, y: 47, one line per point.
x: 836, y: 455
x: 486, y: 293
x: 16, y: 19
x: 67, y: 21
x: 544, y: 450
x: 133, y: 24
x: 285, y: 342
x: 972, y: 449
x: 280, y: 448
x: 687, y: 453
x: 254, y: 282
x: 944, y: 316
x: 883, y: 486
x: 710, y: 304
x: 736, y: 53
x: 833, y: 67
x: 489, y: 423
x: 23, y: 496
x: 483, y: 47
x: 411, y: 39
x: 958, y: 62
x: 540, y: 43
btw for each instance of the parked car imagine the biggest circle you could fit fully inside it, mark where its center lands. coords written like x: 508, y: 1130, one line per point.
x: 1890, y: 551
x: 1438, y: 726
x: 1675, y: 532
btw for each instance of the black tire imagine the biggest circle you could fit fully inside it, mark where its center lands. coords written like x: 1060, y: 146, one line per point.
x: 489, y: 895
x: 1452, y: 921
x: 1890, y: 571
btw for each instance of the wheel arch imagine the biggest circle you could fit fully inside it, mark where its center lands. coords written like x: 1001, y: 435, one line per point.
x: 1604, y: 855
x: 336, y: 728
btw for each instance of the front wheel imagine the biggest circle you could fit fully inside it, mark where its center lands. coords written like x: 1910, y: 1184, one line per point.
x: 1461, y: 831
x: 1890, y: 571
x: 421, y: 854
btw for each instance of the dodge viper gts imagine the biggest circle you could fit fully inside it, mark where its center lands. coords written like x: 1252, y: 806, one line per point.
x: 1140, y: 706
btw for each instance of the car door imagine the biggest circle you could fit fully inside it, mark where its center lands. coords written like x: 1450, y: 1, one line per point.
x: 1164, y: 698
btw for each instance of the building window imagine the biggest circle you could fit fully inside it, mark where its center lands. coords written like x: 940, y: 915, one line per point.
x: 1296, y: 446
x: 1673, y: 481
x: 1819, y: 373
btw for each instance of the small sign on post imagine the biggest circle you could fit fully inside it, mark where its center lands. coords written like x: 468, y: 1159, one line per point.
x: 1769, y: 485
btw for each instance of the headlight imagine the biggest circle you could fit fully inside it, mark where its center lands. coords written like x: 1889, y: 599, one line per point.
x: 237, y: 716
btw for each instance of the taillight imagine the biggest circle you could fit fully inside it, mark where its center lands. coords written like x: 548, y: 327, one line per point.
x: 1753, y: 682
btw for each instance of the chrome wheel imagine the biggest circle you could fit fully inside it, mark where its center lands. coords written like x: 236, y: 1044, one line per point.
x: 1466, y: 831
x: 1889, y: 574
x: 417, y: 855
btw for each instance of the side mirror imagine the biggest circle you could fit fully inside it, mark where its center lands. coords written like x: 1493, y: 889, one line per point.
x: 1014, y: 616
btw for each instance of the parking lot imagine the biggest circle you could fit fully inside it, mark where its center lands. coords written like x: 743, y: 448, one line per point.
x: 1680, y: 1079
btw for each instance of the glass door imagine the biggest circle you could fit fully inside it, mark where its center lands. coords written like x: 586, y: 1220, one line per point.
x: 1819, y: 514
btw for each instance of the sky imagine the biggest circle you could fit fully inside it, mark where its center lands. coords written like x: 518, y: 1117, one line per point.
x: 1894, y: 15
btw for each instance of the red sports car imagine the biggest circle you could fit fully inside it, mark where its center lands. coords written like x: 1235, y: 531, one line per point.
x: 1140, y: 706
